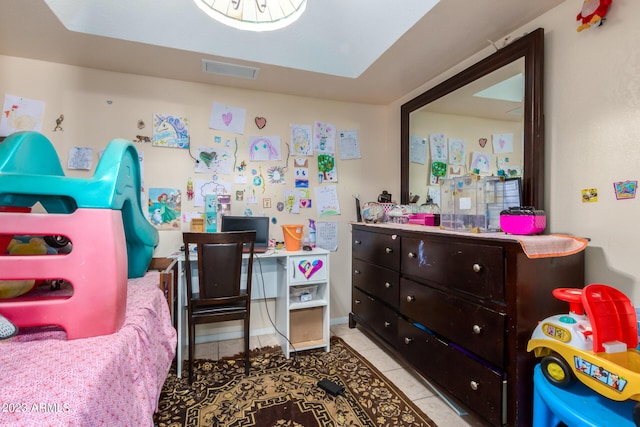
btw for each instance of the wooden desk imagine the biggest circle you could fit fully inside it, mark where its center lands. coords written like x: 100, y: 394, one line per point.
x: 290, y: 278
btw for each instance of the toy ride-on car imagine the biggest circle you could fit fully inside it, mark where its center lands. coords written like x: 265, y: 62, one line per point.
x: 594, y: 343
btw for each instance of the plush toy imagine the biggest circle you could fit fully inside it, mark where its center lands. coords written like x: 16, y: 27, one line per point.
x: 592, y: 13
x: 15, y: 288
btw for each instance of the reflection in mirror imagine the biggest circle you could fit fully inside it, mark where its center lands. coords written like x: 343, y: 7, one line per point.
x: 486, y: 119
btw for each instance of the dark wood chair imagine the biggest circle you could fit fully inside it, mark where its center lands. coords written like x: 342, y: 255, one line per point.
x: 219, y: 297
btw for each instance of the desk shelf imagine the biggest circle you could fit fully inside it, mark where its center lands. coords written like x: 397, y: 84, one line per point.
x: 304, y: 324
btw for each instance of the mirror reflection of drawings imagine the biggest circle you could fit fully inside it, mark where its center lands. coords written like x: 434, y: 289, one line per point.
x: 80, y: 158
x: 481, y: 162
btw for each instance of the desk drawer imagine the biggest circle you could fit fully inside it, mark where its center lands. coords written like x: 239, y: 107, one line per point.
x: 476, y: 269
x: 377, y: 281
x: 304, y: 269
x: 474, y: 327
x: 377, y: 248
x: 472, y: 383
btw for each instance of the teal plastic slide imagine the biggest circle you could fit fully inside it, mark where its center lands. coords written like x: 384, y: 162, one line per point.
x: 30, y: 172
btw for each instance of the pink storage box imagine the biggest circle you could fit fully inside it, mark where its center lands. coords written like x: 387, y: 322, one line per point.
x: 424, y: 219
x: 523, y: 221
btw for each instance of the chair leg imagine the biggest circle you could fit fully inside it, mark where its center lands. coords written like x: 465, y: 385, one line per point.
x: 246, y: 346
x: 191, y: 344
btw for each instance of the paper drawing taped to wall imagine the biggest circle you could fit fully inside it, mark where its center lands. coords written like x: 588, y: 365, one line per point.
x: 80, y: 158
x: 214, y: 160
x: 264, y: 148
x: 301, y: 140
x: 227, y: 118
x: 20, y: 114
x: 170, y: 131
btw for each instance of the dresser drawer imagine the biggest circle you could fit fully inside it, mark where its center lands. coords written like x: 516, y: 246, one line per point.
x: 474, y: 327
x: 377, y: 248
x: 473, y: 268
x: 377, y: 281
x: 472, y: 383
x: 372, y: 313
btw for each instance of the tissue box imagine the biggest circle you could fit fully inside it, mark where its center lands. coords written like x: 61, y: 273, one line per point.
x: 523, y: 221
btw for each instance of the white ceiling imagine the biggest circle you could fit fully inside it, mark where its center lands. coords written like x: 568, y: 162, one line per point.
x: 370, y: 51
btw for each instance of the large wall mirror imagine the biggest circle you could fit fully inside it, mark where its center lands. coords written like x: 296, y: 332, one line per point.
x: 489, y: 119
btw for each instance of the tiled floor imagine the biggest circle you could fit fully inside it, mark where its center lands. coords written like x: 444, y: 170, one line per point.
x: 414, y: 387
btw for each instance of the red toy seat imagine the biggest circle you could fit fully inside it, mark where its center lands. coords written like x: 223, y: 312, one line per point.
x: 96, y: 268
x: 612, y: 316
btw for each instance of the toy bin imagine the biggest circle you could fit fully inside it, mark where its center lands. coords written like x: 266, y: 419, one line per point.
x: 472, y: 203
x: 303, y: 293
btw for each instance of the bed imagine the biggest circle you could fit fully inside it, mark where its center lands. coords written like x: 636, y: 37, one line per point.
x: 114, y: 380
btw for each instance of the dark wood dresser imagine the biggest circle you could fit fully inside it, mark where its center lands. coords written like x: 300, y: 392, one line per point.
x: 459, y: 309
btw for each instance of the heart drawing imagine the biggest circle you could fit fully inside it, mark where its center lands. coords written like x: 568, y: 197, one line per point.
x: 482, y: 142
x: 226, y: 118
x: 309, y: 268
x: 261, y: 122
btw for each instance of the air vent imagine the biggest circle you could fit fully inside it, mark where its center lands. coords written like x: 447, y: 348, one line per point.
x: 232, y: 70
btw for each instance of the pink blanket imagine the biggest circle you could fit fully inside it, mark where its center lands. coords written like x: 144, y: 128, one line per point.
x: 112, y: 380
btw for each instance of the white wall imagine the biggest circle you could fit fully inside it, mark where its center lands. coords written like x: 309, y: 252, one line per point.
x: 99, y: 106
x: 592, y: 110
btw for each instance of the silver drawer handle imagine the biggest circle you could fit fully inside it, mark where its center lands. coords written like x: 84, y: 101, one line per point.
x: 474, y: 385
x: 357, y: 301
x: 388, y: 250
x: 477, y: 329
x: 411, y: 298
x: 477, y: 268
x: 412, y: 255
x: 357, y: 242
x: 356, y: 271
x: 387, y: 285
x: 408, y: 340
x: 387, y: 324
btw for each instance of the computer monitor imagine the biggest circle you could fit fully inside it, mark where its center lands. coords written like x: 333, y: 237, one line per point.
x: 246, y: 223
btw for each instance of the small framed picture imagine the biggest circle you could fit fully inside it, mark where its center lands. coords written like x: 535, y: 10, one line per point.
x: 266, y: 203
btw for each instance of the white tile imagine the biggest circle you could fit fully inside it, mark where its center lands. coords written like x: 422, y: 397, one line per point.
x: 359, y: 342
x: 343, y: 329
x: 380, y: 359
x: 410, y: 385
x: 440, y: 412
x: 206, y: 350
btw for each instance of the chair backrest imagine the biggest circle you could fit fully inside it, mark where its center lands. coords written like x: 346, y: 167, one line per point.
x: 220, y: 257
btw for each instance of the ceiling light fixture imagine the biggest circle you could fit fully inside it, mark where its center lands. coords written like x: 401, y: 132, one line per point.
x: 254, y: 15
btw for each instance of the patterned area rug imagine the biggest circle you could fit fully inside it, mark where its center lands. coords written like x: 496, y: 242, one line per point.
x: 280, y: 392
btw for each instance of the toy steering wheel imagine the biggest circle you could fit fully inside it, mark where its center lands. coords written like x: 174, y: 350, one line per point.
x: 571, y: 295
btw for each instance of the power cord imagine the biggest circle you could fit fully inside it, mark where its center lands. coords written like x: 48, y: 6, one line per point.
x: 294, y: 352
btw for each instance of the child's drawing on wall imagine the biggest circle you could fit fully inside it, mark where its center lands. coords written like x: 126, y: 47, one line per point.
x: 264, y: 148
x: 170, y: 131
x: 481, y: 162
x: 457, y: 151
x: 438, y: 143
x: 301, y: 140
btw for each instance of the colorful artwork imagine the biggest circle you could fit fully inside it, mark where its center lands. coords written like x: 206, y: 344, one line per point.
x: 226, y: 118
x: 327, y: 200
x: 481, y: 162
x: 625, y: 189
x: 214, y: 160
x: 327, y: 171
x: 301, y: 172
x: 457, y: 151
x: 503, y: 143
x: 165, y: 208
x: 304, y: 195
x: 291, y: 201
x: 301, y: 140
x: 438, y: 144
x: 264, y: 148
x: 170, y: 131
x: 324, y: 137
x: 276, y: 175
x: 21, y: 114
x: 589, y: 195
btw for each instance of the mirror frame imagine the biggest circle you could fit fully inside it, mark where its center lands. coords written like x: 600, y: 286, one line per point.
x: 531, y: 48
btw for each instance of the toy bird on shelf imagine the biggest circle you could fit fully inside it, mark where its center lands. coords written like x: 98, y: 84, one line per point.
x: 592, y: 13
